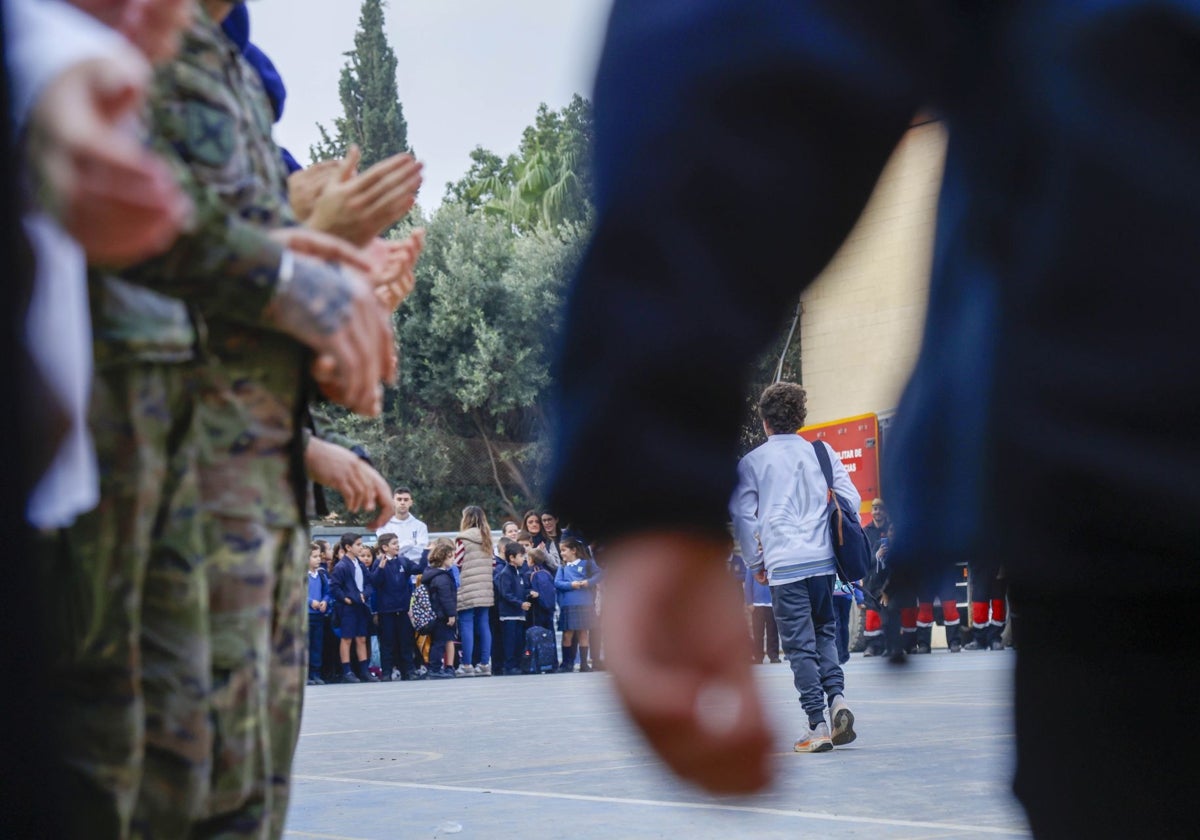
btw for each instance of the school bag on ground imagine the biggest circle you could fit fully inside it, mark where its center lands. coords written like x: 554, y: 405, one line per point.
x: 541, y: 653
x: 421, y: 610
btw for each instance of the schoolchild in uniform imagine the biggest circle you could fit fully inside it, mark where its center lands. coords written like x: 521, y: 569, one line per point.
x: 576, y: 581
x: 443, y: 595
x: 347, y: 586
x: 318, y: 609
x: 541, y: 581
x: 513, y: 601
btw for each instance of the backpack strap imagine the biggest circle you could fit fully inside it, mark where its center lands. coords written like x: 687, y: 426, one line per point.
x: 827, y: 469
x: 823, y: 459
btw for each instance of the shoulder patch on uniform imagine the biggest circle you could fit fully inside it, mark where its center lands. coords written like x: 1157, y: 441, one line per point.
x: 210, y: 133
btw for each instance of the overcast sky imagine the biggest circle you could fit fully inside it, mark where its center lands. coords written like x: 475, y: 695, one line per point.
x: 471, y: 72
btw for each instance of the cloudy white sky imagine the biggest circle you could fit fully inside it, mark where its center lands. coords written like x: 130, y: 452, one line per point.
x: 471, y: 72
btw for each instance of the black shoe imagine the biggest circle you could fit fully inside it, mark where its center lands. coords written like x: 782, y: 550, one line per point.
x: 922, y: 648
x: 955, y: 646
x: 440, y: 674
x: 413, y: 676
x: 369, y: 677
x: 585, y: 668
x: 350, y: 678
x: 997, y: 644
x: 776, y: 661
x: 565, y: 669
x: 384, y: 678
x: 974, y: 645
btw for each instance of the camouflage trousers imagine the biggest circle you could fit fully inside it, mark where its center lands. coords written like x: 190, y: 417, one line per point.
x: 126, y: 614
x: 258, y: 636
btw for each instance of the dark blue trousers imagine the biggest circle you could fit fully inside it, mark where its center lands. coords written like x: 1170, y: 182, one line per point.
x: 808, y: 632
x: 397, y: 642
x: 316, y: 641
x: 513, y: 635
x: 841, y: 608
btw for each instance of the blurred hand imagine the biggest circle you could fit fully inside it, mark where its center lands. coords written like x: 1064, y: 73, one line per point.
x: 359, y: 207
x: 153, y: 26
x: 322, y: 246
x: 394, y: 267
x: 332, y: 310
x: 761, y: 576
x: 118, y: 201
x: 696, y: 704
x: 306, y: 186
x: 360, y: 485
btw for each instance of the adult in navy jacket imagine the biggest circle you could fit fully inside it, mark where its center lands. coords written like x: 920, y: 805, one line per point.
x: 735, y: 146
x: 392, y: 578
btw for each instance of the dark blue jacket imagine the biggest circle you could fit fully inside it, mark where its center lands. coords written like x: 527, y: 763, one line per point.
x: 393, y: 583
x: 443, y: 591
x: 511, y: 592
x: 342, y: 585
x: 541, y: 581
x: 318, y: 590
x: 1068, y: 215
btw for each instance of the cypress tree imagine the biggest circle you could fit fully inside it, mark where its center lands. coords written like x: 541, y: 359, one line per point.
x: 372, y: 114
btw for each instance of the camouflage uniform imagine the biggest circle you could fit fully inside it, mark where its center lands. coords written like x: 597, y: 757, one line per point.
x: 210, y: 109
x: 126, y: 602
x: 220, y: 710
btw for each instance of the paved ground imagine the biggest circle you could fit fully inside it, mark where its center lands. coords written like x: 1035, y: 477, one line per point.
x: 551, y: 756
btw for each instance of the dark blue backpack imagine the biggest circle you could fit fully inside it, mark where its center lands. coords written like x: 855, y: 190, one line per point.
x: 850, y: 543
x: 541, y: 653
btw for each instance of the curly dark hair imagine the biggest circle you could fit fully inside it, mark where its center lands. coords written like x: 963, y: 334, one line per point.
x: 783, y: 407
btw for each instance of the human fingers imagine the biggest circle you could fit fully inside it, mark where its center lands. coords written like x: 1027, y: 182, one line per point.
x: 392, y: 198
x: 368, y: 335
x: 384, y: 169
x: 357, y: 488
x: 120, y: 220
x: 156, y: 26
x: 698, y: 708
x: 349, y: 381
x: 349, y: 164
x: 380, y: 498
x: 323, y: 246
x: 387, y: 348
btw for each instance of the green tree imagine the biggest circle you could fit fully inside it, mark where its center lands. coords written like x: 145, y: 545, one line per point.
x: 467, y: 422
x: 546, y: 184
x: 372, y: 114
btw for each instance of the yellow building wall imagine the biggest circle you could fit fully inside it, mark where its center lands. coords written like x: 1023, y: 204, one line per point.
x: 861, y: 322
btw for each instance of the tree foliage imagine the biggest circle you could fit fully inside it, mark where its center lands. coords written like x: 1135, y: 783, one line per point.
x: 546, y: 183
x: 372, y: 116
x: 467, y: 422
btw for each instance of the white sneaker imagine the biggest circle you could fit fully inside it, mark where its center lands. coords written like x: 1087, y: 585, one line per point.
x: 396, y: 675
x: 843, y: 722
x: 465, y: 670
x: 815, y: 740
x: 484, y: 670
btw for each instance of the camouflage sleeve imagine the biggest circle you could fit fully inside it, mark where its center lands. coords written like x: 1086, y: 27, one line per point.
x: 324, y: 430
x: 213, y: 134
x: 215, y: 244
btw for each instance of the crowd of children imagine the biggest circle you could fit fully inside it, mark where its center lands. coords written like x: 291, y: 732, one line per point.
x: 466, y: 607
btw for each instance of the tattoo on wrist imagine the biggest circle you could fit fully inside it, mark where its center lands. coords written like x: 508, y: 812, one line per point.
x: 318, y: 296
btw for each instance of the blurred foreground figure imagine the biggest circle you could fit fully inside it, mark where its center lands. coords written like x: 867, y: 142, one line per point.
x: 735, y: 148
